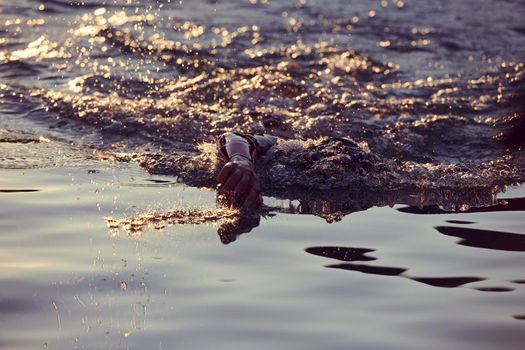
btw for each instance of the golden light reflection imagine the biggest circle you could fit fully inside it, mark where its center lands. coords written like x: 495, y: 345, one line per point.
x: 134, y: 226
x: 135, y: 73
x: 40, y: 49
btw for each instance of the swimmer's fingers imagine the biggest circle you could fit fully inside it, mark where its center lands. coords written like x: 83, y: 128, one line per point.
x: 232, y: 181
x: 225, y: 173
x: 254, y: 199
x: 239, y: 184
x: 243, y: 186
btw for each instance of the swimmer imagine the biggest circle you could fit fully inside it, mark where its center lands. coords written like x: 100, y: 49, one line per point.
x: 238, y: 183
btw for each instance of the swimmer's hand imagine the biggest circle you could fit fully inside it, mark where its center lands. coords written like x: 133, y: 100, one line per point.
x: 239, y: 184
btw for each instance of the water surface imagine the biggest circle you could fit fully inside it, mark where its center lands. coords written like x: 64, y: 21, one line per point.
x: 380, y: 278
x: 388, y: 222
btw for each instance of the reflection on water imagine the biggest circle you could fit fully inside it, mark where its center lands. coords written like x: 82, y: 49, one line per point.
x: 447, y: 282
x: 442, y: 282
x: 18, y: 191
x: 485, y: 239
x: 375, y: 270
x: 377, y: 103
x: 134, y: 225
x: 510, y: 204
x: 342, y: 253
x: 477, y: 238
x: 73, y: 282
x: 329, y: 205
x: 495, y: 289
x: 243, y: 223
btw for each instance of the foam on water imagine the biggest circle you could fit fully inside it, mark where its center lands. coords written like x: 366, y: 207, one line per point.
x: 155, y: 79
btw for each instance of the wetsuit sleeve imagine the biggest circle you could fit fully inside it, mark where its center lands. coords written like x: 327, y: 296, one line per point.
x: 258, y: 144
x: 264, y: 142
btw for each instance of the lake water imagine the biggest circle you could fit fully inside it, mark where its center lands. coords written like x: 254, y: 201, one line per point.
x: 394, y: 201
x: 377, y: 279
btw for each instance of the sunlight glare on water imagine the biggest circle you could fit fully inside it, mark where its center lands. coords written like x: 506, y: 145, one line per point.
x: 393, y: 213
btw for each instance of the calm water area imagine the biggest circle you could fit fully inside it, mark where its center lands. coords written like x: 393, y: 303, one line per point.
x: 394, y: 202
x: 377, y: 279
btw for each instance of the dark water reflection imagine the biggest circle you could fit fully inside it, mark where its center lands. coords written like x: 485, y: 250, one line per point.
x: 495, y: 289
x: 447, y: 282
x: 357, y: 254
x: 485, y: 239
x: 477, y: 238
x: 510, y: 204
x: 342, y: 253
x: 375, y: 270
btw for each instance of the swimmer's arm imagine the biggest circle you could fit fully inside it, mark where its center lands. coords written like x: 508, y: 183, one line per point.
x: 237, y: 180
x: 264, y: 142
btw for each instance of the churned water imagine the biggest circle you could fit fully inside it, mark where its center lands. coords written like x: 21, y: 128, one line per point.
x: 388, y: 219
